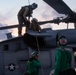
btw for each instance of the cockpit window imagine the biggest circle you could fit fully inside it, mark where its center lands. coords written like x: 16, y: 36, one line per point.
x: 6, y: 47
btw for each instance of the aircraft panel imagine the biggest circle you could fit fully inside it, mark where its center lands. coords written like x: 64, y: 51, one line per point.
x: 10, y: 62
x: 59, y: 6
x: 1, y: 63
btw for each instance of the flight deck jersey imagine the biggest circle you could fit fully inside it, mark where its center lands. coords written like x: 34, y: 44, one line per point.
x: 32, y: 67
x: 63, y: 61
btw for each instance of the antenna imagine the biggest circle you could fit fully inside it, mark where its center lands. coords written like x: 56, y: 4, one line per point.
x: 29, y: 2
x: 30, y: 9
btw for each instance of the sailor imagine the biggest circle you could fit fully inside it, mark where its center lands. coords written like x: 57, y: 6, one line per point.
x: 63, y: 64
x: 34, y: 25
x: 24, y: 15
x: 33, y: 64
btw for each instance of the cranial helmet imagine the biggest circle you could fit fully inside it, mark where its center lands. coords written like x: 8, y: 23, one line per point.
x: 62, y: 41
x: 34, y: 5
x: 34, y: 20
x: 33, y: 54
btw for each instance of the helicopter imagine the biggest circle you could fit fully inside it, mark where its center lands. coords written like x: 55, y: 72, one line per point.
x: 15, y: 52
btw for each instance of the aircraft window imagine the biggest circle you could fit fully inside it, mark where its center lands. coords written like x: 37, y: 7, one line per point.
x: 6, y: 47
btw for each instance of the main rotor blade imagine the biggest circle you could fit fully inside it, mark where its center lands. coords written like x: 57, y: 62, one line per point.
x: 44, y: 22
x: 50, y: 21
x: 59, y: 6
x: 57, y: 21
x: 15, y: 26
x: 9, y: 27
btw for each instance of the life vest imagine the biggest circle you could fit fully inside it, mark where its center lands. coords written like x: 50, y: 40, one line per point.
x: 23, y: 9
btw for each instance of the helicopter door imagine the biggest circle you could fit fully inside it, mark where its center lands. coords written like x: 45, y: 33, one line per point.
x: 23, y: 60
x: 22, y: 65
x: 1, y: 64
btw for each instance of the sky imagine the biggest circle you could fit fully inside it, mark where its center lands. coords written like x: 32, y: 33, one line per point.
x: 10, y: 8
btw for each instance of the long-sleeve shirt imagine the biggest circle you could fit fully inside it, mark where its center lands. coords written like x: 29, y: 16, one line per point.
x: 63, y: 60
x: 33, y: 67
